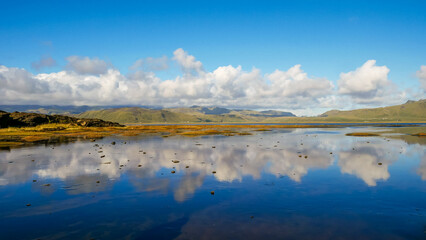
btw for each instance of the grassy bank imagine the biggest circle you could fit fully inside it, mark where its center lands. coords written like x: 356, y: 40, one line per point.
x: 53, y: 133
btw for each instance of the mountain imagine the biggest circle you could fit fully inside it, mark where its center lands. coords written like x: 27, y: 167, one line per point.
x: 138, y: 115
x: 54, y: 109
x: 411, y: 111
x: 181, y: 115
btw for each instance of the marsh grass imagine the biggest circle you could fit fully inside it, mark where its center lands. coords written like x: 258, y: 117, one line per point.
x: 362, y: 134
x: 12, y: 137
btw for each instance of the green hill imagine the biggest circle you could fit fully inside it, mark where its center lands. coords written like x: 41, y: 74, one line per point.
x: 138, y: 115
x: 181, y: 115
x: 411, y: 111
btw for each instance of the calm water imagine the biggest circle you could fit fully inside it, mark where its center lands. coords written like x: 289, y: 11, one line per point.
x: 264, y: 188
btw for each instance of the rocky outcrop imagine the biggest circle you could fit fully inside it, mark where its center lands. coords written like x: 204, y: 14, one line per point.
x: 22, y: 119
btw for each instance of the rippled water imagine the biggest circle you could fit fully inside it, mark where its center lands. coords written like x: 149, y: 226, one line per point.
x: 281, y: 184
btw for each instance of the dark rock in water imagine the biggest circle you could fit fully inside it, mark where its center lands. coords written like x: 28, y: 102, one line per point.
x: 28, y: 205
x: 379, y: 163
x: 212, y: 192
x: 22, y: 119
x: 113, y: 143
x: 173, y: 171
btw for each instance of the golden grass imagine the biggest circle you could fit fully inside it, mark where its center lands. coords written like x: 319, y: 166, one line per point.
x: 362, y: 134
x: 34, y: 138
x: 10, y: 144
x: 419, y: 134
x: 68, y: 132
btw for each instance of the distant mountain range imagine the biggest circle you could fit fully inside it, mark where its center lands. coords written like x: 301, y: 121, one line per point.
x: 182, y: 115
x: 411, y: 111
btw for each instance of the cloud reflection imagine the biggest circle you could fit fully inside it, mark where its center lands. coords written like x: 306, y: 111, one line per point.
x: 81, y: 168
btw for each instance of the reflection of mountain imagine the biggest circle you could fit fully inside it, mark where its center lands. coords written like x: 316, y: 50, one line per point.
x: 81, y: 169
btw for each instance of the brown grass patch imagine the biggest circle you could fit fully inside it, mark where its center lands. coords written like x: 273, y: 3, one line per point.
x: 35, y: 138
x: 362, y: 134
x: 10, y: 144
x: 419, y: 134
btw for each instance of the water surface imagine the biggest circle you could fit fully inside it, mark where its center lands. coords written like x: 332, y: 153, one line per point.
x: 280, y: 184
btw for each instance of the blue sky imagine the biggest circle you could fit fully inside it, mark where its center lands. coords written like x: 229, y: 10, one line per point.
x: 326, y: 38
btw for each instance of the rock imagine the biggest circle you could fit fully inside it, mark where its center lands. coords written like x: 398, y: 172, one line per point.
x: 139, y: 165
x: 28, y: 205
x: 187, y: 167
x: 173, y: 171
x: 97, y: 181
x: 47, y: 185
x: 175, y: 161
x: 379, y: 163
x: 212, y: 192
x: 34, y: 180
x: 113, y: 143
x: 106, y: 163
x: 102, y: 156
x: 214, y: 172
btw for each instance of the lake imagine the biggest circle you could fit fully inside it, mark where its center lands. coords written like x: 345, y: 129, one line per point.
x: 298, y: 183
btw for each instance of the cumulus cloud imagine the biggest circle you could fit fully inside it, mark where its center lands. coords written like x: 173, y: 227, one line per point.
x: 421, y: 74
x: 366, y: 82
x: 151, y: 64
x: 44, y: 62
x: 92, y: 81
x: 187, y: 62
x: 86, y: 65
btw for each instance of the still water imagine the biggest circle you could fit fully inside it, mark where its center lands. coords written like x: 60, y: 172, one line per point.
x: 281, y: 184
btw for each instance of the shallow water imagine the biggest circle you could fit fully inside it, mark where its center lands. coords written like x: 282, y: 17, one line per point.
x: 264, y: 188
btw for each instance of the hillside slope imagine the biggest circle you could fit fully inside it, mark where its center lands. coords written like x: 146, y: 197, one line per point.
x: 21, y: 119
x: 411, y: 111
x: 138, y: 115
x: 181, y: 115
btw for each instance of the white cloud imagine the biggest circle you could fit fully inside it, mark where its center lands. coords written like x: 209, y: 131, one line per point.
x: 44, y: 62
x: 151, y: 64
x: 187, y: 62
x: 86, y: 65
x: 366, y: 81
x: 91, y: 81
x: 421, y: 74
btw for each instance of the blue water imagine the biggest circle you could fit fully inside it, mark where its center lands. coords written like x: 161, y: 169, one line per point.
x: 262, y: 188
